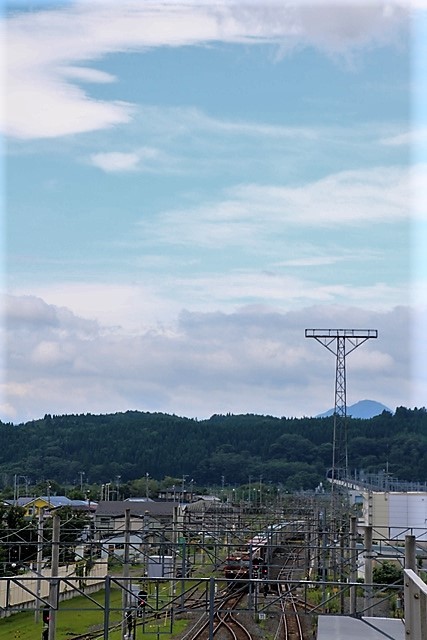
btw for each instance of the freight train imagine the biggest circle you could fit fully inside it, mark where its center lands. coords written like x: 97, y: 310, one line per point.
x: 251, y: 561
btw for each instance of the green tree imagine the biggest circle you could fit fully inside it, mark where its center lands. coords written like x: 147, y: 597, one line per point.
x: 387, y: 573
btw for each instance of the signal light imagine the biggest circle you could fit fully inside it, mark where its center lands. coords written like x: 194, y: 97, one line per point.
x: 46, y: 615
x: 142, y: 598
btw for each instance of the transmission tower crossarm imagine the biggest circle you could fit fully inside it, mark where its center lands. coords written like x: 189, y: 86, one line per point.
x: 328, y: 337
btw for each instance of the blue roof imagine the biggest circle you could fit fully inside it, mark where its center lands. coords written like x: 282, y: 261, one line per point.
x: 54, y: 501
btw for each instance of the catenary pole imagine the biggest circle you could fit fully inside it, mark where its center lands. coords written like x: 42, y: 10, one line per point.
x: 54, y: 581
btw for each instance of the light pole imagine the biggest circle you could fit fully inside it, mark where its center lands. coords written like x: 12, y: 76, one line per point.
x: 49, y: 486
x: 184, y: 477
x: 81, y: 474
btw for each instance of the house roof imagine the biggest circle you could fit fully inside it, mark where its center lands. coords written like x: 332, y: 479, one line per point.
x: 205, y: 506
x: 53, y: 501
x: 20, y: 502
x: 116, y: 509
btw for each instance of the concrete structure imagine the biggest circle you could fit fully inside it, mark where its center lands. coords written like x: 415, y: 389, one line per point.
x: 21, y: 592
x: 415, y: 606
x: 339, y: 627
x: 394, y: 515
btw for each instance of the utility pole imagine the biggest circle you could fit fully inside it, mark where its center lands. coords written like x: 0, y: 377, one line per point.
x: 39, y: 564
x: 125, y: 595
x: 353, y: 564
x: 81, y: 474
x: 368, y: 570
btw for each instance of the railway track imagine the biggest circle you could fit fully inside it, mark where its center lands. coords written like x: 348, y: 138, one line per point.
x: 290, y: 620
x: 225, y: 622
x: 192, y: 602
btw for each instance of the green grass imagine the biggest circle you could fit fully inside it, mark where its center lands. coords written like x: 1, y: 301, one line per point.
x: 78, y: 616
x: 74, y: 616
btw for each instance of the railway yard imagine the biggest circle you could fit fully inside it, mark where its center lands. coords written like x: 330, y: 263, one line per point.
x: 239, y: 609
x: 233, y: 577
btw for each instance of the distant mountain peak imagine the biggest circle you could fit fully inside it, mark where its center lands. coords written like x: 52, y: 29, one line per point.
x: 363, y: 409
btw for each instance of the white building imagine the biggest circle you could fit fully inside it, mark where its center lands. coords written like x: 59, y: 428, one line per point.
x: 395, y: 514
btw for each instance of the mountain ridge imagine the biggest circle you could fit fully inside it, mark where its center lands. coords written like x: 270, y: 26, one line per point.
x: 363, y: 409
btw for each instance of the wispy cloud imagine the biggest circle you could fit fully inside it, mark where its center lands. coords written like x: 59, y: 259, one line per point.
x: 252, y: 214
x: 49, y: 50
x: 413, y: 138
x: 185, y: 140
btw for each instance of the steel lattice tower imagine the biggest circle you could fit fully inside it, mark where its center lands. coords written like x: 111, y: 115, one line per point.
x: 340, y: 342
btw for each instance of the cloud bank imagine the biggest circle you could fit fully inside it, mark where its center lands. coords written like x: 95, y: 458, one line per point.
x: 252, y: 360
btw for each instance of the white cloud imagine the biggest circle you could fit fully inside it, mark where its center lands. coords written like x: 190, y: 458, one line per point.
x: 251, y: 215
x: 142, y: 159
x: 380, y: 194
x: 412, y: 138
x: 182, y: 120
x: 88, y: 75
x: 129, y: 307
x: 115, y: 161
x: 47, y: 49
x: 155, y: 302
x: 39, y: 107
x: 49, y: 353
x: 309, y: 261
x: 250, y: 360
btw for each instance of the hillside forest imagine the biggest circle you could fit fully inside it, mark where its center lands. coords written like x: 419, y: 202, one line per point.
x: 294, y: 453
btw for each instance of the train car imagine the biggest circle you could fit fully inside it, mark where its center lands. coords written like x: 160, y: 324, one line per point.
x: 236, y: 565
x: 247, y: 562
x: 253, y: 559
x: 257, y: 547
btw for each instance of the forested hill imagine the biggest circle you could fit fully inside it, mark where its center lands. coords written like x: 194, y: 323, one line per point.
x: 295, y: 452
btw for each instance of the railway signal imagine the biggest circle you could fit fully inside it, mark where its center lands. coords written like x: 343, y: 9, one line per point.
x: 142, y: 602
x: 46, y: 620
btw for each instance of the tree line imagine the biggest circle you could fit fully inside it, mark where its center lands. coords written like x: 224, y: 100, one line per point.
x: 293, y: 452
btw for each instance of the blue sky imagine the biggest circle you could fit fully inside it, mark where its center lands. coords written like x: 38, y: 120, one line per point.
x: 189, y: 186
